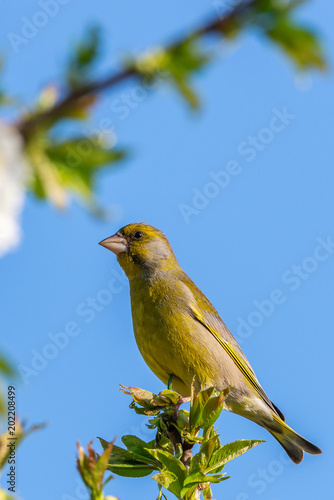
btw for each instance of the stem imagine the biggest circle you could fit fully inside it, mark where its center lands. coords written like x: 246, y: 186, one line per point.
x: 180, y: 402
x: 187, y: 454
x: 174, y: 436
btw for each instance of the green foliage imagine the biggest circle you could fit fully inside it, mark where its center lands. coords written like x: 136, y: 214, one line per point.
x: 59, y: 168
x: 174, y: 66
x: 170, y: 455
x: 84, y: 58
x: 300, y: 43
x: 71, y: 166
x: 79, y: 160
x: 92, y: 468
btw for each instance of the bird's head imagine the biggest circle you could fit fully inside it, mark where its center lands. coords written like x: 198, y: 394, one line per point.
x: 141, y: 249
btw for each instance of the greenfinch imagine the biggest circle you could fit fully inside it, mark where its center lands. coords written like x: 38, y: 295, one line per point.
x: 182, y: 337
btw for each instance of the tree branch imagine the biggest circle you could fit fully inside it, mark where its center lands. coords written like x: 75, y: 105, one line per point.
x: 222, y: 25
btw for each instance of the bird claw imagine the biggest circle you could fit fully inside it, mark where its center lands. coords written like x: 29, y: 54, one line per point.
x: 169, y: 383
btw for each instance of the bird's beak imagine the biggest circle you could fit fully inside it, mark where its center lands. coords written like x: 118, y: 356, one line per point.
x: 115, y: 243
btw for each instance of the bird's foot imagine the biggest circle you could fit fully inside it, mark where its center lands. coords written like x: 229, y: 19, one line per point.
x: 169, y: 383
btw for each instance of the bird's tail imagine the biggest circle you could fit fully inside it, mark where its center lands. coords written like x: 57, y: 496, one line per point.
x: 293, y: 443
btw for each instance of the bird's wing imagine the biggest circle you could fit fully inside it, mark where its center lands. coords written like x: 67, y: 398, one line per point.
x: 204, y: 312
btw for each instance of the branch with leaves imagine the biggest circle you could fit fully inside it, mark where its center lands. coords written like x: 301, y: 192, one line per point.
x: 92, y: 468
x: 33, y: 155
x: 185, y: 56
x: 170, y: 455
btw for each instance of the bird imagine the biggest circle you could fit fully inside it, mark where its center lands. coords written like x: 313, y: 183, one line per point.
x: 182, y: 338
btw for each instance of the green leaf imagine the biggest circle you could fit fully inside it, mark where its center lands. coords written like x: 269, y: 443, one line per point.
x: 78, y: 162
x: 184, y: 60
x: 131, y: 469
x: 152, y: 404
x: 105, y: 443
x: 198, y: 402
x: 45, y: 180
x: 207, y: 448
x: 209, y: 433
x: 213, y: 408
x: 140, y: 396
x: 207, y: 493
x: 92, y: 468
x: 182, y: 421
x: 198, y: 463
x: 170, y: 481
x: 120, y: 455
x: 175, y: 66
x: 276, y: 7
x: 206, y: 408
x: 171, y: 463
x: 169, y: 396
x: 102, y: 465
x: 139, y: 448
x: 200, y: 478
x: 85, y: 153
x: 228, y: 452
x: 82, y: 61
x: 129, y: 464
x: 300, y: 43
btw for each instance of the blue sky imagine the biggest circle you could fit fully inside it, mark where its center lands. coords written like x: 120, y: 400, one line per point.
x: 264, y: 233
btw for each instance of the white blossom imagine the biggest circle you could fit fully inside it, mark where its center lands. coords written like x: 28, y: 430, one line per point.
x: 13, y: 174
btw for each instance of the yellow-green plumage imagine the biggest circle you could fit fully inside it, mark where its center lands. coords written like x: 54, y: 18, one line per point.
x: 179, y: 333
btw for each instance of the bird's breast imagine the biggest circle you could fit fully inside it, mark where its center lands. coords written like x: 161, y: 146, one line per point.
x: 173, y: 342
x: 161, y: 332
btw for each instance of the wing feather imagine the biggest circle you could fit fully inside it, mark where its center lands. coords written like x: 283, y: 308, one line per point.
x: 204, y: 312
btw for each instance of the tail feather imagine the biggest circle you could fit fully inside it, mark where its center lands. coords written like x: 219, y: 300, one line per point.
x: 293, y: 443
x: 294, y: 452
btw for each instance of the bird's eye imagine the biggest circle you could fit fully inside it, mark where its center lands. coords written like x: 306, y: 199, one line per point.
x: 138, y: 235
